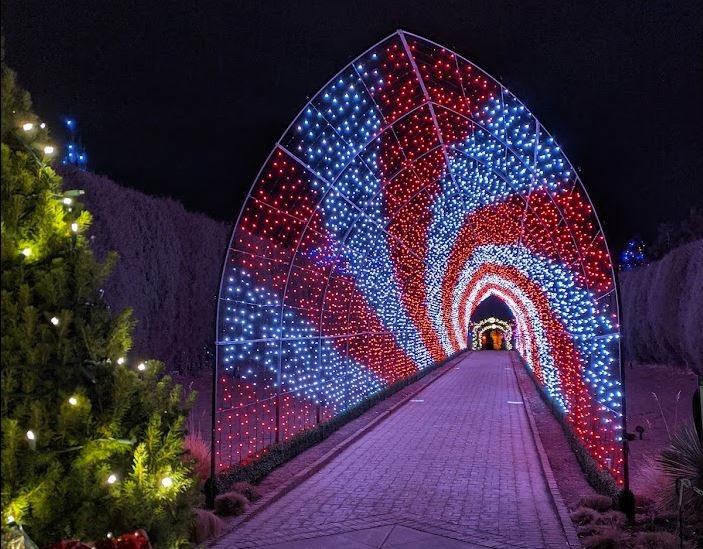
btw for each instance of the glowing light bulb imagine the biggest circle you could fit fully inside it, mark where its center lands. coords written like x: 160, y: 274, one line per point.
x: 121, y: 360
x: 42, y: 125
x: 27, y: 126
x: 141, y: 367
x: 31, y: 435
x: 73, y: 401
x: 112, y: 479
x: 74, y: 227
x: 48, y: 149
x: 54, y: 320
x: 26, y: 252
x: 167, y: 482
x: 68, y: 201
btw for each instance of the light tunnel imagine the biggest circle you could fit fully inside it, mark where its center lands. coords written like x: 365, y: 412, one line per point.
x: 409, y: 189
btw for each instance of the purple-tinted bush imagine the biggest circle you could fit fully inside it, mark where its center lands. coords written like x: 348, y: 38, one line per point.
x: 169, y: 268
x: 230, y: 504
x: 206, y: 525
x: 662, y: 313
x: 597, y: 502
x: 247, y: 489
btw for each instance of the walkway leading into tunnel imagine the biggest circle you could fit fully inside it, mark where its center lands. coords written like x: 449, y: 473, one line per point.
x: 456, y: 466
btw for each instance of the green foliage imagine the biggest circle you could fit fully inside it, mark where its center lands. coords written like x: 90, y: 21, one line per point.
x: 90, y: 415
x: 15, y: 100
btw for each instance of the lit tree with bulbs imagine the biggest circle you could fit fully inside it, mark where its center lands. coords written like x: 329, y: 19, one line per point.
x: 91, y: 441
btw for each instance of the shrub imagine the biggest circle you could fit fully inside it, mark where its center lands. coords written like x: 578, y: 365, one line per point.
x: 643, y: 504
x: 598, y: 502
x: 615, y: 519
x: 230, y: 504
x: 657, y: 540
x: 609, y: 538
x: 247, y: 490
x: 199, y: 451
x: 584, y: 515
x: 206, y: 525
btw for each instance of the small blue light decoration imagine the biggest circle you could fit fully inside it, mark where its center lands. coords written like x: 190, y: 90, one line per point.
x: 633, y: 255
x: 75, y: 153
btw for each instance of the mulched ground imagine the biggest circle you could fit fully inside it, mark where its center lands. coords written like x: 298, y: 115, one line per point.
x: 674, y: 388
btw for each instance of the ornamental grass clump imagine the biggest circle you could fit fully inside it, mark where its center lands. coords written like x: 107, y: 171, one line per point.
x: 248, y: 490
x: 198, y: 452
x: 598, y: 502
x: 613, y: 518
x: 206, y: 525
x: 584, y: 515
x: 610, y: 538
x: 230, y: 504
x: 658, y: 540
x: 683, y: 459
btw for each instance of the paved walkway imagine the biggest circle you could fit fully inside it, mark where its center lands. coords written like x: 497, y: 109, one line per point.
x: 456, y: 466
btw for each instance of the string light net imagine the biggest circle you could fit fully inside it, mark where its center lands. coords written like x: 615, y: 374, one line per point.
x: 409, y: 189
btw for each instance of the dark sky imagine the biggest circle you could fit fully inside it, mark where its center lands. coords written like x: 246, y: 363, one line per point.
x: 187, y: 99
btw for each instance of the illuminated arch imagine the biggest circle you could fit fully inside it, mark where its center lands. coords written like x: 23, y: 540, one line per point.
x: 412, y: 186
x: 491, y: 323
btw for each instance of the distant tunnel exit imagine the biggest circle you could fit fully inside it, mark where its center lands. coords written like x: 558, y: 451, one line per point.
x: 491, y: 326
x: 492, y: 334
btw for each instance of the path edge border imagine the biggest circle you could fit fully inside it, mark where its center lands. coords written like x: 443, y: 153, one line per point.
x: 557, y: 501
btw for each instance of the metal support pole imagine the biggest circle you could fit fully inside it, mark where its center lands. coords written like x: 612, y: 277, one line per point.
x: 278, y: 414
x: 211, y: 483
x: 626, y: 497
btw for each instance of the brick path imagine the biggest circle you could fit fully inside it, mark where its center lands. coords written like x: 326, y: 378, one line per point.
x: 456, y: 466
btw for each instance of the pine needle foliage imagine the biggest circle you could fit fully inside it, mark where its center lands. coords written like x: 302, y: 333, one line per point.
x: 73, y: 414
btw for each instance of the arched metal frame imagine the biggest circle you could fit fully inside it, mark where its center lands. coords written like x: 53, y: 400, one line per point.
x: 411, y: 187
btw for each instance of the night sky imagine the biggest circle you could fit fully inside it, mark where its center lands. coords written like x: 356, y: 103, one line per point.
x: 187, y: 99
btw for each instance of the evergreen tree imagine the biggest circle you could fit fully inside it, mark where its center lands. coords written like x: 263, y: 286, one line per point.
x: 90, y: 444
